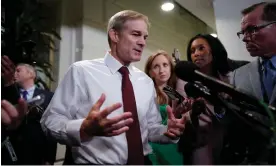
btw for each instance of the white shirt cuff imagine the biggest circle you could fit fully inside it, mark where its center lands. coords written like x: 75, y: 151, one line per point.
x: 73, y: 131
x: 161, y: 138
x: 175, y: 140
x: 171, y: 140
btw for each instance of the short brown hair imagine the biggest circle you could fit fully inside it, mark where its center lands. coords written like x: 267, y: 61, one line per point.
x: 118, y: 20
x: 269, y: 10
x: 161, y: 99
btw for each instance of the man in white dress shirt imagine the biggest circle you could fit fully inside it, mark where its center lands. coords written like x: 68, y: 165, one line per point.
x: 88, y: 111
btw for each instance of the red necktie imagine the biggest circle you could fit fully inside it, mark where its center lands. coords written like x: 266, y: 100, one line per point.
x: 133, y: 135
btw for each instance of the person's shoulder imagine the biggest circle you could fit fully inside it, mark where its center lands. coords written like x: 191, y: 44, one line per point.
x: 241, y: 73
x: 142, y: 76
x: 47, y: 92
x: 247, y: 67
x: 88, y: 63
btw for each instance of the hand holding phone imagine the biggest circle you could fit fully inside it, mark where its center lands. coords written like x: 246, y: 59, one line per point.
x: 173, y: 94
x: 180, y: 104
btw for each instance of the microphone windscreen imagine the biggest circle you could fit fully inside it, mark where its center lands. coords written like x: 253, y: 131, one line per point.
x: 185, y: 70
x: 191, y: 90
x: 198, y: 107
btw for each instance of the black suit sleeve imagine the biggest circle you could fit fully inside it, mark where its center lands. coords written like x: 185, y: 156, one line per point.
x: 51, y: 145
x: 51, y: 150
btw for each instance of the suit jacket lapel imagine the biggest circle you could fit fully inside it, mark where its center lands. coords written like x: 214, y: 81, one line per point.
x: 36, y: 92
x: 255, y: 79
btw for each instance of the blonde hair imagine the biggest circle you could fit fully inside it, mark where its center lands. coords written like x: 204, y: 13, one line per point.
x: 30, y: 68
x: 118, y: 20
x: 161, y: 97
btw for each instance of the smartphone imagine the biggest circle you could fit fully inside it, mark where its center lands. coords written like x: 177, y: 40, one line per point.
x: 173, y: 94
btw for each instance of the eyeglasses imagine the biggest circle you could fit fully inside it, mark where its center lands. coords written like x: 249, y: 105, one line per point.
x: 252, y: 30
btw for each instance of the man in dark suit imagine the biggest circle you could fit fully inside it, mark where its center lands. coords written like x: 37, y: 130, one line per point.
x: 30, y: 144
x: 258, y: 78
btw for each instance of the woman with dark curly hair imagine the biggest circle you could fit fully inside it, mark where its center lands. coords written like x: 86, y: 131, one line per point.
x: 203, y: 144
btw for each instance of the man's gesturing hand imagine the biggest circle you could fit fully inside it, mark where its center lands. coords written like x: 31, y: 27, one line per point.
x: 175, y: 126
x: 97, y: 123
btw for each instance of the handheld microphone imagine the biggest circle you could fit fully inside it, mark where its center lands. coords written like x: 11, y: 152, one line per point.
x: 256, y: 115
x: 189, y: 72
x: 196, y: 90
x: 198, y: 107
x: 254, y: 110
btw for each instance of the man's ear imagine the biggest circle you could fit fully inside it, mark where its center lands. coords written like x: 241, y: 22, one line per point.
x: 30, y: 74
x: 114, y: 36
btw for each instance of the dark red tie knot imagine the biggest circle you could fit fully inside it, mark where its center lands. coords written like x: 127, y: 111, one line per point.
x: 124, y: 70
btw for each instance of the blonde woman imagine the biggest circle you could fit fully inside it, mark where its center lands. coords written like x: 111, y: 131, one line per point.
x: 160, y: 68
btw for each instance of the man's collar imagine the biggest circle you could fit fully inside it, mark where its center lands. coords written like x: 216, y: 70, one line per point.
x: 114, y: 65
x: 272, y: 60
x: 30, y: 89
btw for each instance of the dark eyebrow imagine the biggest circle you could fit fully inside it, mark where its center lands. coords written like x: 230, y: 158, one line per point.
x: 249, y: 26
x: 199, y: 45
